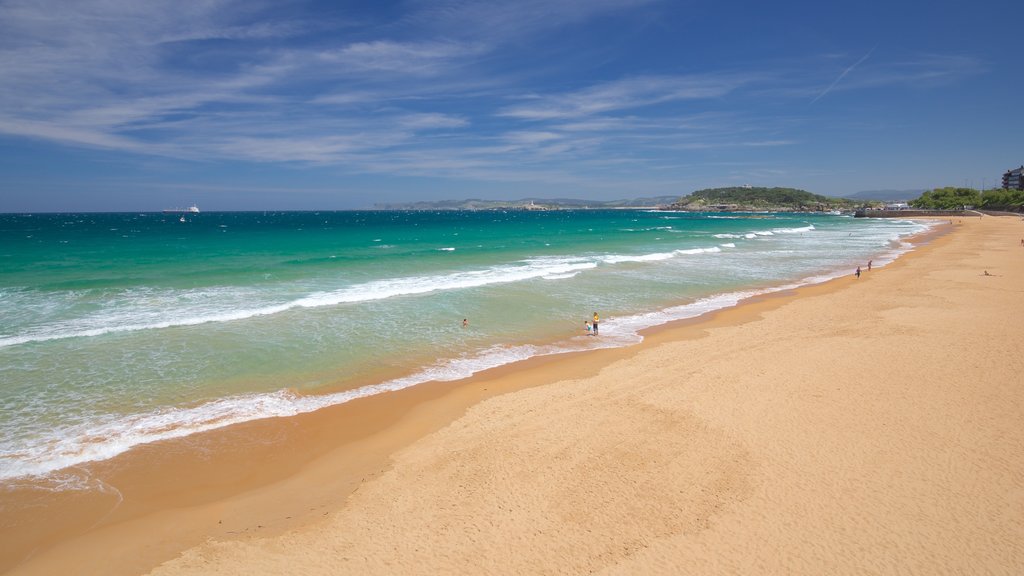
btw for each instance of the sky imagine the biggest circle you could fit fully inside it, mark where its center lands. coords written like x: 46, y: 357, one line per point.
x: 136, y: 105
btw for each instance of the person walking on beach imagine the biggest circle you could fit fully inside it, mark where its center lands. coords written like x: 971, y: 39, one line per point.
x: 869, y: 265
x: 595, y: 323
x: 857, y: 273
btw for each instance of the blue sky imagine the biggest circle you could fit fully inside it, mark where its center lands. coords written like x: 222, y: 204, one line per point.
x: 236, y: 105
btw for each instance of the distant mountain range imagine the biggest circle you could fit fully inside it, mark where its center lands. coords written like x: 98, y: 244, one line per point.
x: 528, y: 204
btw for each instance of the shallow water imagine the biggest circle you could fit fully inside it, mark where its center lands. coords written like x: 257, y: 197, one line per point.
x: 119, y: 329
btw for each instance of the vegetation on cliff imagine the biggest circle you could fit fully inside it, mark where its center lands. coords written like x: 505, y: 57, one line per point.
x: 758, y: 199
x: 951, y: 198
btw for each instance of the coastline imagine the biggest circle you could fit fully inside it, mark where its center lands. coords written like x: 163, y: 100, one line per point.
x: 317, y: 460
x: 283, y: 348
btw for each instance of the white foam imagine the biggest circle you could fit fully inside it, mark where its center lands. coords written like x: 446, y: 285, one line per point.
x: 194, y: 308
x: 620, y: 258
x: 710, y: 250
x: 73, y: 445
x: 656, y: 256
x: 799, y: 230
x: 124, y: 321
x: 76, y: 445
x: 60, y: 331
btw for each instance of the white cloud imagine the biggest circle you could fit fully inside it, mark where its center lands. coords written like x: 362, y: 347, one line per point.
x: 529, y: 137
x: 424, y: 95
x: 76, y: 135
x: 504, y: 21
x: 624, y: 94
x: 417, y: 58
x: 431, y: 121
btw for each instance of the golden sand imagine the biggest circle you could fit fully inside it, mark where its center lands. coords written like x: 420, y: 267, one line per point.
x: 863, y: 426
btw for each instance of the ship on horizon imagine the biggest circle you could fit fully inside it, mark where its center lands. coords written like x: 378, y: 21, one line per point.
x: 193, y: 209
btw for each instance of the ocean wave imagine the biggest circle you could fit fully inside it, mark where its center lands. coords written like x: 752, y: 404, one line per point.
x: 75, y: 445
x: 194, y: 308
x: 798, y: 230
x: 648, y: 229
x: 197, y: 310
x: 69, y: 446
x: 656, y: 256
x: 389, y: 288
x: 62, y: 331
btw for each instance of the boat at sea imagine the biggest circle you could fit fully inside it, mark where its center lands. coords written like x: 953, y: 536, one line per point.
x: 193, y: 209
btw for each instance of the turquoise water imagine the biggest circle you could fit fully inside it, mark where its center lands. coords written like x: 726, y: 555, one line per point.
x: 121, y: 329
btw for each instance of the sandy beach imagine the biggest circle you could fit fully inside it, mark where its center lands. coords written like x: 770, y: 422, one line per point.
x: 862, y: 426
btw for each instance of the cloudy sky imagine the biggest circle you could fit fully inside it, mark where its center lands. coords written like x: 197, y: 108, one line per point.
x: 237, y: 105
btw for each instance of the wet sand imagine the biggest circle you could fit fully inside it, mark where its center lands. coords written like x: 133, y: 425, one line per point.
x: 866, y: 425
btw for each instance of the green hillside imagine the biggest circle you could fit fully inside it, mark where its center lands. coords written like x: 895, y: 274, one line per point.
x: 759, y: 198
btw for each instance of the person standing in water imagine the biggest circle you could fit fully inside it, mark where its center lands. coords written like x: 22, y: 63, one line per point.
x: 595, y: 323
x: 465, y: 323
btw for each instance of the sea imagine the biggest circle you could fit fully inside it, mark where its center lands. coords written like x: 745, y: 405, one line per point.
x: 122, y: 329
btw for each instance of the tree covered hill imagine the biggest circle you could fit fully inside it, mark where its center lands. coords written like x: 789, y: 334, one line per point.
x: 951, y: 198
x: 759, y: 198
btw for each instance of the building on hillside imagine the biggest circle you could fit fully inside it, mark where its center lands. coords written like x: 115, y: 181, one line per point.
x: 1014, y: 179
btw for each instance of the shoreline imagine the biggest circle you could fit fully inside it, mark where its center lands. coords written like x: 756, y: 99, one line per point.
x: 105, y: 441
x: 284, y: 446
x: 342, y: 448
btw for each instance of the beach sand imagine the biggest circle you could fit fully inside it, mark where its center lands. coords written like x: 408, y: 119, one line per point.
x: 862, y: 426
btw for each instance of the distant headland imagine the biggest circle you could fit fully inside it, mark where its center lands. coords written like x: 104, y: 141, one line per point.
x: 733, y: 199
x: 530, y: 204
x: 757, y: 199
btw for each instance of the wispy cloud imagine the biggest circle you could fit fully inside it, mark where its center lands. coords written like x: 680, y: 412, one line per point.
x: 504, y: 21
x: 416, y: 58
x: 843, y: 75
x: 426, y: 93
x: 431, y: 121
x: 926, y: 70
x: 624, y: 94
